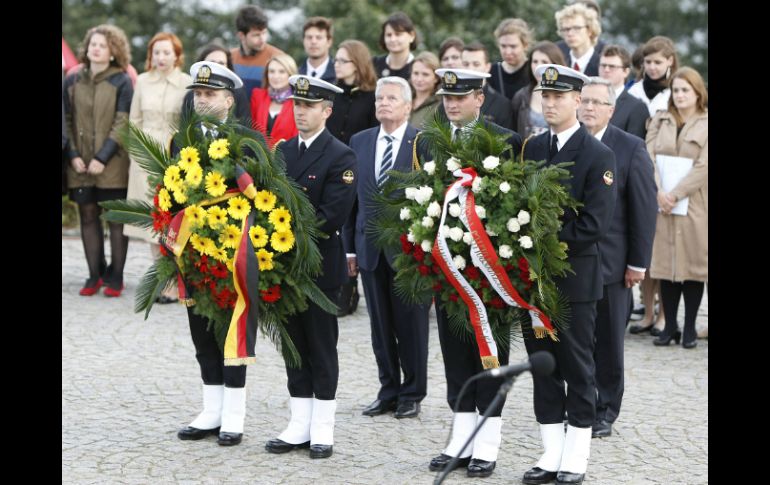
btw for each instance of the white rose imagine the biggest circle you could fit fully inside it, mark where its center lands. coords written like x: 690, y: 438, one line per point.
x: 490, y: 231
x: 505, y: 251
x: 427, y: 221
x: 454, y: 210
x: 426, y: 245
x: 523, y: 217
x: 430, y: 168
x: 423, y: 195
x: 443, y: 231
x: 476, y: 185
x: 456, y: 233
x: 481, y: 212
x: 513, y: 225
x: 452, y: 164
x: 467, y: 238
x: 525, y: 242
x: 505, y: 187
x: 405, y: 213
x: 434, y: 210
x: 491, y: 163
x: 410, y: 236
x: 459, y: 261
x: 410, y: 192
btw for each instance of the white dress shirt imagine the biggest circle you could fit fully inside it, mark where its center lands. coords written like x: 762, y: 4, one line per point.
x: 564, y: 136
x: 398, y: 136
x: 582, y: 61
x: 319, y: 71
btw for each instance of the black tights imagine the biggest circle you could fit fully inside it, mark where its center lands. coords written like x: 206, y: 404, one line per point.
x: 670, y: 293
x: 93, y: 245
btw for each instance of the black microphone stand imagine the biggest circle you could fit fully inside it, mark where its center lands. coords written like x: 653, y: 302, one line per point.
x: 505, y: 388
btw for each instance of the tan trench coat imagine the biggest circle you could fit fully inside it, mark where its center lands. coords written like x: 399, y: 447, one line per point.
x: 155, y: 110
x: 680, y: 250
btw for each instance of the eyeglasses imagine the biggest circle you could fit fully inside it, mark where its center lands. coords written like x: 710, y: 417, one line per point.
x: 595, y: 102
x: 611, y: 67
x: 341, y: 61
x: 567, y: 30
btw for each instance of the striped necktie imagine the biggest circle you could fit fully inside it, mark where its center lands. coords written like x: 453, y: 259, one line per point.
x: 387, y: 161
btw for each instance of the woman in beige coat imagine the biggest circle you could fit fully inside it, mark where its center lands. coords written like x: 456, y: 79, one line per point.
x: 680, y: 250
x: 155, y: 110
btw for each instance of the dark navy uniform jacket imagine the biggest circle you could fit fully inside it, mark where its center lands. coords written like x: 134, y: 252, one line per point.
x: 593, y: 184
x: 327, y: 173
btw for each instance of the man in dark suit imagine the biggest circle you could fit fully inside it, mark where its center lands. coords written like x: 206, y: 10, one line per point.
x: 317, y: 38
x: 399, y: 330
x: 631, y: 113
x: 325, y: 169
x: 626, y: 249
x: 462, y: 100
x: 579, y: 26
x: 592, y: 183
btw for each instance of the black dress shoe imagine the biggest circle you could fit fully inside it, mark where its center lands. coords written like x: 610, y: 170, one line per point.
x: 190, y: 433
x: 567, y: 478
x: 655, y: 332
x: 379, y: 407
x: 601, y: 429
x: 441, y: 461
x: 537, y: 476
x: 279, y: 446
x: 321, y: 451
x: 229, y: 439
x: 480, y: 468
x: 407, y: 409
x: 690, y: 345
x: 663, y: 339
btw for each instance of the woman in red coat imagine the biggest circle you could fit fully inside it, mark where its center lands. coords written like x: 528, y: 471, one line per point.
x: 272, y: 112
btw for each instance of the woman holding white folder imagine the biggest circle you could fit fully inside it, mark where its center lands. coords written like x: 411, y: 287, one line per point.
x: 680, y: 250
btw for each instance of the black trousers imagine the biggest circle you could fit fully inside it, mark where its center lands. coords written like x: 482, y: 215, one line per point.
x: 210, y: 357
x: 399, y: 337
x: 314, y: 333
x: 611, y: 319
x: 461, y: 361
x: 574, y: 354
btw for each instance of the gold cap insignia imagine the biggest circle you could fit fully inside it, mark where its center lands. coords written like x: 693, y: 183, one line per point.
x: 348, y: 177
x: 204, y: 73
x: 608, y: 177
x: 551, y: 74
x: 450, y: 78
x: 303, y: 84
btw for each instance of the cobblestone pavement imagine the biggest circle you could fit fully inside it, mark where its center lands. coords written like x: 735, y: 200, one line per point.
x: 129, y: 384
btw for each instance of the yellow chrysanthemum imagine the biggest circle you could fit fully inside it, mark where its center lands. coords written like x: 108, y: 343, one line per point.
x: 217, y: 217
x: 230, y: 237
x: 280, y: 219
x: 215, y: 184
x: 218, y: 149
x: 282, y: 241
x: 180, y: 196
x: 209, y: 246
x: 194, y: 175
x: 188, y: 156
x: 265, y: 259
x: 172, y: 177
x: 238, y: 208
x: 196, y: 214
x: 220, y: 254
x: 264, y: 201
x: 258, y: 236
x: 196, y: 242
x: 164, y: 200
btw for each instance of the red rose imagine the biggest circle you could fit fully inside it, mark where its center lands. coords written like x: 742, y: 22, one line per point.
x: 436, y: 269
x: 497, y: 302
x: 485, y: 283
x: 419, y: 254
x: 454, y: 297
x: 473, y: 272
x: 437, y: 286
x: 406, y: 246
x: 424, y: 270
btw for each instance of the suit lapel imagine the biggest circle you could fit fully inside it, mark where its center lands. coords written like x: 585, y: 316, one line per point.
x: 311, y: 155
x: 568, y: 151
x: 403, y: 161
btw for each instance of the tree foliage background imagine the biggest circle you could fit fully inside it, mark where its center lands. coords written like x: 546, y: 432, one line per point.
x: 197, y: 22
